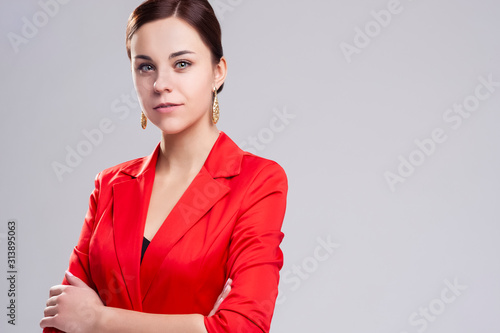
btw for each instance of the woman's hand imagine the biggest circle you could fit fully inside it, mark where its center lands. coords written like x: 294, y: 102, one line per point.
x: 222, y: 296
x: 73, y: 308
x: 76, y: 308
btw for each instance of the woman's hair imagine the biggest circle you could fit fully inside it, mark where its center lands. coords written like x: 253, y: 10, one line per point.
x: 197, y: 13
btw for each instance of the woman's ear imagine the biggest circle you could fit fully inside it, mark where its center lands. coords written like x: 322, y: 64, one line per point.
x: 220, y: 72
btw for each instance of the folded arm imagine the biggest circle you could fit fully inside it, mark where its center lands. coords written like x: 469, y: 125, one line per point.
x: 77, y: 308
x: 253, y: 264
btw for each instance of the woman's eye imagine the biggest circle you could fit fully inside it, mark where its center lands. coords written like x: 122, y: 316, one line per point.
x: 182, y: 64
x: 146, y: 68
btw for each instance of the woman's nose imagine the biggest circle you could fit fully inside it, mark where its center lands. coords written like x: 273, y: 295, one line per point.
x: 162, y: 83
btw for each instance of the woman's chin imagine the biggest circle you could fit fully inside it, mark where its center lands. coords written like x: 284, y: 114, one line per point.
x: 174, y: 126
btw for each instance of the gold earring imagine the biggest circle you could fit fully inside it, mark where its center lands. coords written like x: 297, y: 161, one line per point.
x: 215, y: 108
x: 144, y: 120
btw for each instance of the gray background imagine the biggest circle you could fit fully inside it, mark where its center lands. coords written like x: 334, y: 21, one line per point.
x: 351, y: 119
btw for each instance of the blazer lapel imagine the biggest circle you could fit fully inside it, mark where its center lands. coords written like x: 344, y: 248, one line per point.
x: 130, y: 204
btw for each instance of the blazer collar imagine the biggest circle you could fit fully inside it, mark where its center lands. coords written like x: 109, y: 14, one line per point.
x: 224, y: 150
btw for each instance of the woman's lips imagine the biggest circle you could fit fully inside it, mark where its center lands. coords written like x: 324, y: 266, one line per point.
x: 167, y: 107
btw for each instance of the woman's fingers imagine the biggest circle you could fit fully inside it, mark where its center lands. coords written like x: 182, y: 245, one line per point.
x: 216, y: 307
x: 71, y: 307
x: 227, y: 288
x: 228, y: 283
x: 47, y: 322
x: 225, y: 292
x: 50, y: 311
x: 75, y: 281
x: 222, y: 296
x: 51, y: 301
x: 56, y: 290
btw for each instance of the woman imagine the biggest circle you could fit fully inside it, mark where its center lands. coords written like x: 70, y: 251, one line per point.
x: 211, y: 213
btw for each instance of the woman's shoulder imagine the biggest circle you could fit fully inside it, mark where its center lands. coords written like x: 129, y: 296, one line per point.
x: 227, y: 159
x: 125, y: 170
x: 261, y: 174
x: 251, y: 163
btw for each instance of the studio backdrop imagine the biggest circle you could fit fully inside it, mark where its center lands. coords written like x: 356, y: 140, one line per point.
x: 384, y: 115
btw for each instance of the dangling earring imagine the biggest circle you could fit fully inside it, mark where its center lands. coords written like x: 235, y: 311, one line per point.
x: 144, y: 120
x: 215, y: 108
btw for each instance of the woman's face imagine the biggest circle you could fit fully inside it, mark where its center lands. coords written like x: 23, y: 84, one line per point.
x: 174, y: 75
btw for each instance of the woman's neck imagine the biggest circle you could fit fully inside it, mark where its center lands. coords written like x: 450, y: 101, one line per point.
x: 185, y: 152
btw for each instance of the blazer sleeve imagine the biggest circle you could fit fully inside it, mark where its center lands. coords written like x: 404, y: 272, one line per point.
x: 255, y: 258
x: 79, y: 259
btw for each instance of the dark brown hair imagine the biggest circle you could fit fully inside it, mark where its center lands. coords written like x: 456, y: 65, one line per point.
x: 197, y: 13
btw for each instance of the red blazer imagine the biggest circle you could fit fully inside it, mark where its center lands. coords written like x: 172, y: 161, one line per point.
x: 226, y: 225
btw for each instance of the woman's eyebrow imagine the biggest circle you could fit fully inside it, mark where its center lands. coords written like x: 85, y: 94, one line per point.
x: 179, y: 53
x: 172, y: 55
x: 145, y: 57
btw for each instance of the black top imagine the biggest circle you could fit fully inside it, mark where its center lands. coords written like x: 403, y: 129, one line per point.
x: 145, y: 243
